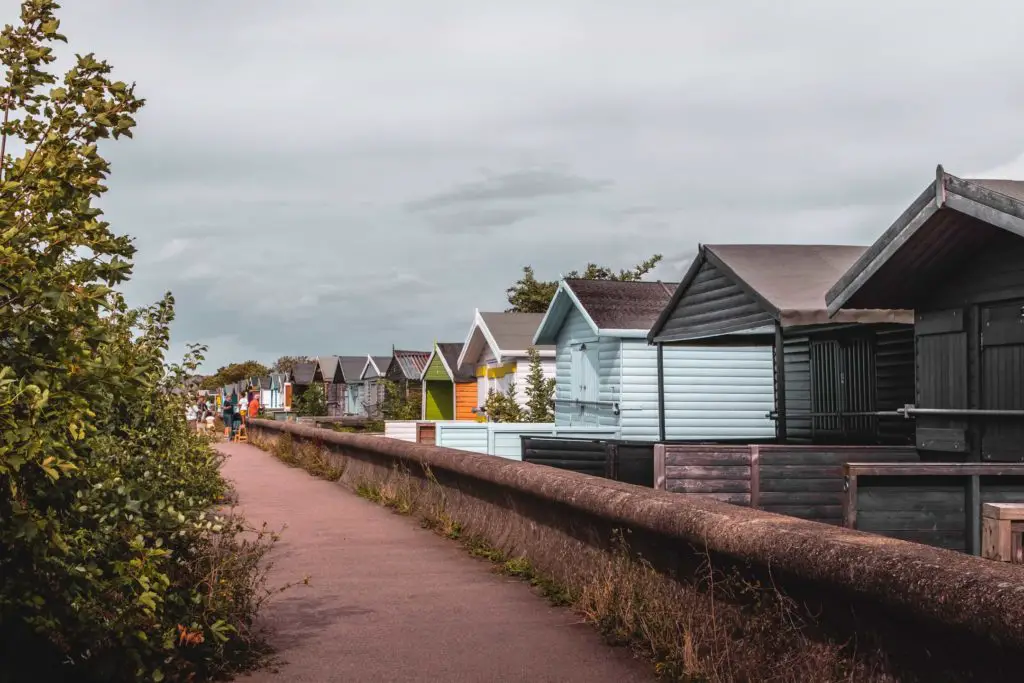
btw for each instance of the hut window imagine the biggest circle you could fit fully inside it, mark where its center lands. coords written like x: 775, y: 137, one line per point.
x: 843, y: 385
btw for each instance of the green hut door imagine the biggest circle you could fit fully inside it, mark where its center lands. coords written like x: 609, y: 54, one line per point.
x: 438, y: 392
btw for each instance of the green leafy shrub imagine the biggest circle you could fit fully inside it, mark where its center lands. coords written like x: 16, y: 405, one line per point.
x: 114, y: 564
x: 312, y: 402
x: 400, y: 402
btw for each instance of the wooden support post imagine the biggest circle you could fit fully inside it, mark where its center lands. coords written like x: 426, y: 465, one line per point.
x: 755, y: 475
x: 850, y: 499
x: 661, y: 392
x: 1002, y: 532
x: 659, y: 466
x: 972, y: 506
x: 780, y: 384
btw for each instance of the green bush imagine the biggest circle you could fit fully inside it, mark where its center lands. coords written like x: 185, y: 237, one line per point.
x: 114, y: 565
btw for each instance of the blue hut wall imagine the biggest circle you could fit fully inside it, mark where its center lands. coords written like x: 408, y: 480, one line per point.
x: 711, y: 392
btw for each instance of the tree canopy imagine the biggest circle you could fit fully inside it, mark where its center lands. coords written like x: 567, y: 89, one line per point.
x: 288, y: 363
x: 530, y: 295
x: 235, y: 372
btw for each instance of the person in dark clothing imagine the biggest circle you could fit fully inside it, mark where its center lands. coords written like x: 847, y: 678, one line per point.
x: 227, y: 416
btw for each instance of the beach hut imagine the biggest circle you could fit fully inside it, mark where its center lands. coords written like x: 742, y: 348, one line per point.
x: 748, y: 304
x: 496, y: 351
x: 606, y: 374
x: 351, y: 368
x: 448, y: 392
x: 405, y: 369
x: 372, y: 374
x: 328, y: 373
x: 301, y: 377
x: 956, y: 256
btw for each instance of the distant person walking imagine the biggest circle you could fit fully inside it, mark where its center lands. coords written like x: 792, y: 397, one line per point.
x: 254, y: 407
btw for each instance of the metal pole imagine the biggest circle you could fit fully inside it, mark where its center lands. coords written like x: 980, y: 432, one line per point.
x: 661, y: 392
x: 911, y: 410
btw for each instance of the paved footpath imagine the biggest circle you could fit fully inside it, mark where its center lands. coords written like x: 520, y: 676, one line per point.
x: 390, y: 601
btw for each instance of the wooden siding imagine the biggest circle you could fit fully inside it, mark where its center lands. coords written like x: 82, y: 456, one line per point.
x: 891, y: 368
x: 923, y: 506
x: 426, y: 432
x: 438, y: 400
x: 713, y: 305
x: 574, y: 331
x: 797, y: 480
x: 711, y: 392
x: 436, y: 369
x: 959, y: 367
x: 402, y: 430
x: 465, y: 401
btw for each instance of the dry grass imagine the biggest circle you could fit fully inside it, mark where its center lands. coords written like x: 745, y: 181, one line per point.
x: 711, y: 626
x: 312, y: 457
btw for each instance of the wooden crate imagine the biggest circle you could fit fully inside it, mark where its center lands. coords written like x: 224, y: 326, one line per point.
x: 1002, y: 532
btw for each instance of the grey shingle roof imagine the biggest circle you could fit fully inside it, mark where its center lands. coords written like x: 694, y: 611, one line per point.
x: 352, y: 367
x: 302, y: 373
x: 514, y: 331
x: 617, y: 305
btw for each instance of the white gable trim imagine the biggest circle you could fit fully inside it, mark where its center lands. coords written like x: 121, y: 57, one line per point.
x: 430, y: 360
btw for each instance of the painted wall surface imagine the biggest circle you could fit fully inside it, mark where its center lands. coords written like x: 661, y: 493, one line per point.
x: 438, y: 400
x: 522, y: 374
x: 436, y: 369
x: 465, y: 400
x: 403, y: 430
x: 711, y: 392
x: 575, y: 330
x: 503, y: 439
x: 354, y: 397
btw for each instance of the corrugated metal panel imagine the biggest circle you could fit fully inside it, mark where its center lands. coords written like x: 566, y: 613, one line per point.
x: 711, y: 392
x: 402, y: 430
x: 464, y: 436
x: 712, y: 305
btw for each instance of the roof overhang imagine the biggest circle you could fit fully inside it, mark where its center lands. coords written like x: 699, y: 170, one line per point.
x: 942, y: 226
x: 478, y: 336
x: 562, y: 303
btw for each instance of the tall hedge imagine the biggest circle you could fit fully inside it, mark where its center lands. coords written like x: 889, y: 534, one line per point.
x: 113, y: 565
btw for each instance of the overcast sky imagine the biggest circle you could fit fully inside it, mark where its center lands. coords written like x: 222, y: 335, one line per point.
x: 314, y: 177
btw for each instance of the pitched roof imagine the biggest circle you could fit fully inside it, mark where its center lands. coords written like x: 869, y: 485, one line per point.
x: 352, y: 367
x: 948, y: 223
x: 303, y: 373
x: 617, y: 305
x: 792, y: 280
x: 410, y: 363
x: 504, y: 333
x: 450, y: 352
x: 374, y: 366
x: 328, y: 366
x: 611, y: 307
x: 514, y: 331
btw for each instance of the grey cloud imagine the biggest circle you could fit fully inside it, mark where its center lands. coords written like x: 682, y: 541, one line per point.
x: 270, y: 189
x: 477, y: 221
x: 525, y: 184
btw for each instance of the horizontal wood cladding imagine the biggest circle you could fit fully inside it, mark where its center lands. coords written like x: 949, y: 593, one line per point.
x: 713, y: 304
x: 802, y: 481
x: 465, y: 400
x: 928, y: 503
